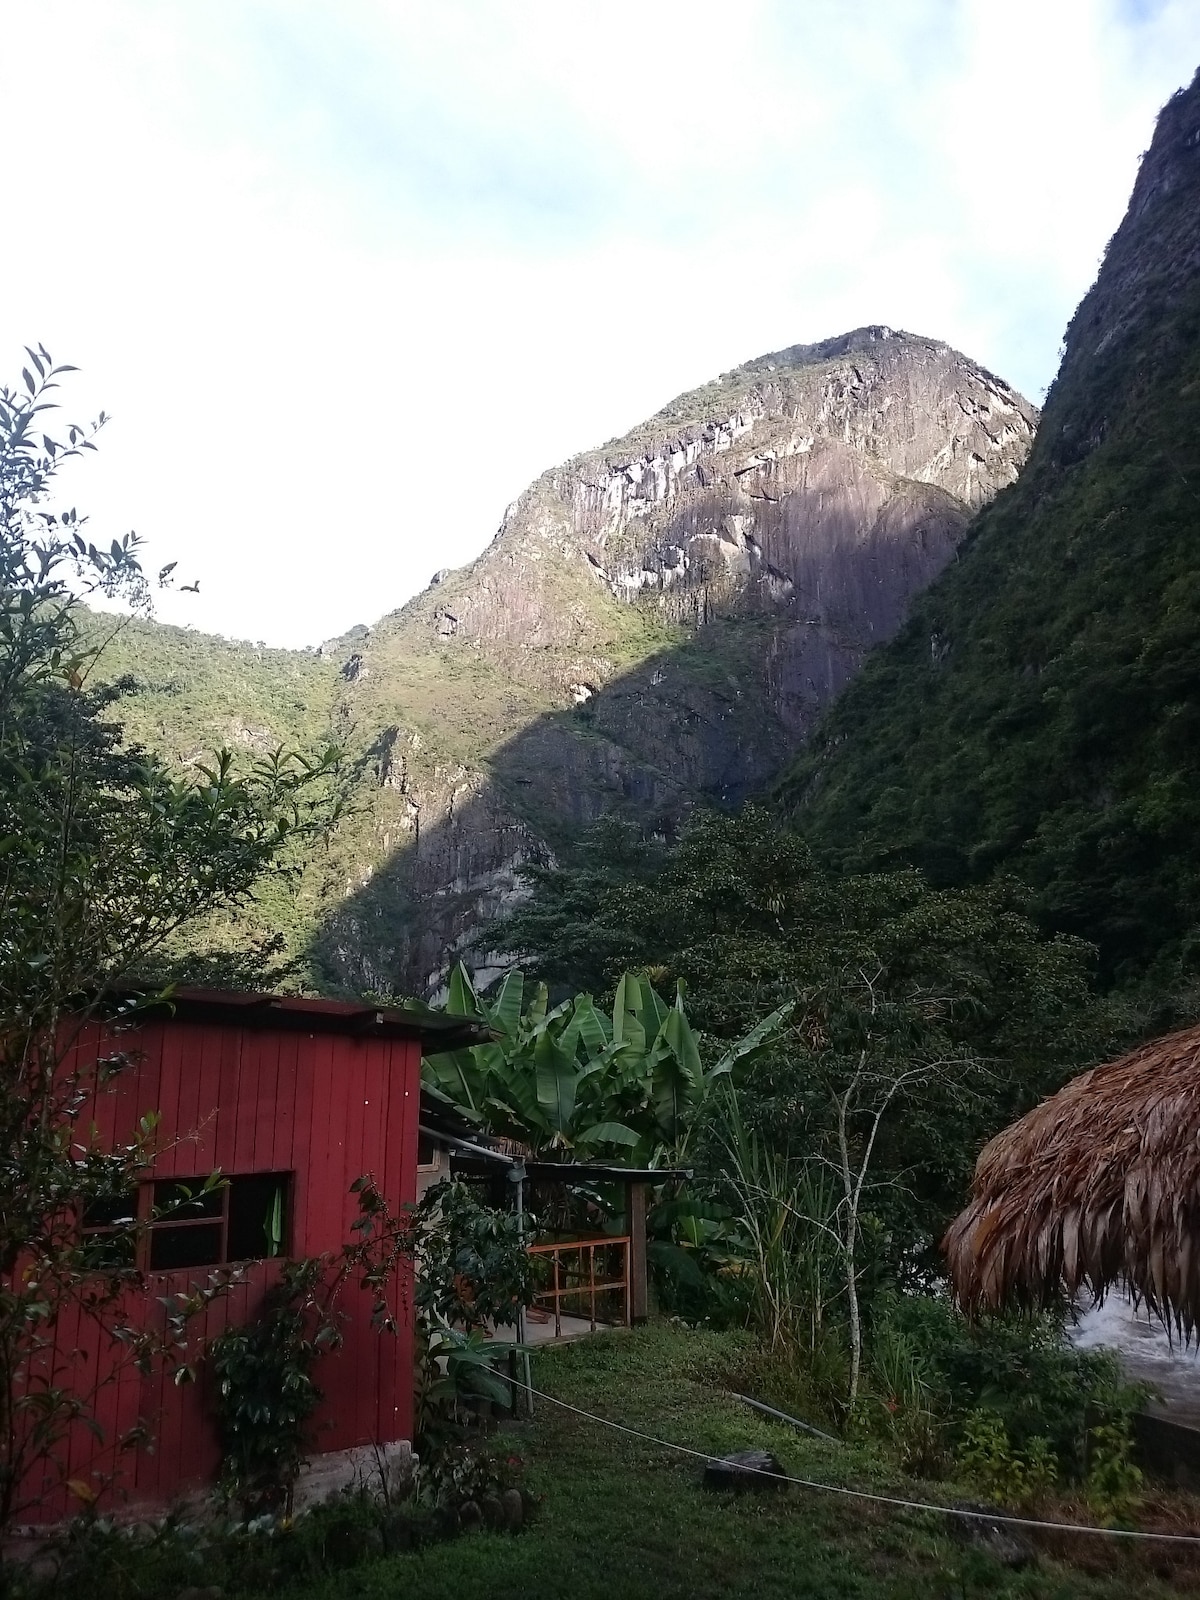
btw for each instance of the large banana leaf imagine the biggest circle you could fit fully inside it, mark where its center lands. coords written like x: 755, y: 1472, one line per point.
x: 753, y: 1042
x: 678, y: 1031
x: 512, y: 1096
x: 537, y: 1006
x: 586, y: 1027
x: 650, y: 1008
x: 462, y: 1074
x: 628, y: 1022
x: 675, y: 1063
x: 546, y: 1020
x: 556, y: 1079
x: 607, y: 1133
x: 505, y: 1011
x: 461, y: 999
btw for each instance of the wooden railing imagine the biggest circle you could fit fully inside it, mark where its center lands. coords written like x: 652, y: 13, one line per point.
x: 575, y: 1276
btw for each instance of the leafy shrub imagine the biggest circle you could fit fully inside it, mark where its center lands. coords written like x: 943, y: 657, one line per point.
x: 1011, y: 1476
x: 699, y: 1262
x: 906, y: 1401
x: 1114, y: 1483
x: 1023, y: 1373
x: 472, y: 1263
x: 265, y: 1389
x: 461, y: 1472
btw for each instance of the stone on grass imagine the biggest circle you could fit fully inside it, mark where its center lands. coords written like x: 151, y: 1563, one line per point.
x: 514, y: 1509
x: 470, y: 1516
x: 1001, y: 1540
x: 745, y: 1469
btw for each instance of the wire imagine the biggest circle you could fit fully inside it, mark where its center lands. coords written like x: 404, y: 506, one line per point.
x: 862, y: 1494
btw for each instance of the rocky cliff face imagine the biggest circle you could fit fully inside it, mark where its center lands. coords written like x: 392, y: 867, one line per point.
x: 819, y: 488
x: 1150, y: 269
x: 656, y: 622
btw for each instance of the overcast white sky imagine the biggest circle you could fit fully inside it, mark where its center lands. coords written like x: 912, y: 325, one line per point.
x: 347, y: 275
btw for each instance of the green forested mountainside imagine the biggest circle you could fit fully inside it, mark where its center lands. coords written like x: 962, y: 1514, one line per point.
x: 190, y: 693
x: 656, y: 624
x: 186, y: 696
x: 1040, y: 712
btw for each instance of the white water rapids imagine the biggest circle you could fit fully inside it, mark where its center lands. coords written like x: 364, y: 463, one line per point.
x: 1147, y: 1353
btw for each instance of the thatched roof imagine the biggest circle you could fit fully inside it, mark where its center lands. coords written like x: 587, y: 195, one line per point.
x: 1097, y: 1184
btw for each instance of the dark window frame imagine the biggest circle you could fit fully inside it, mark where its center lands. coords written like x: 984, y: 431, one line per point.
x: 149, y: 1226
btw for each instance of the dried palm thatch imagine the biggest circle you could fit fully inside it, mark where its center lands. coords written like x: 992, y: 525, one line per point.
x: 1097, y: 1184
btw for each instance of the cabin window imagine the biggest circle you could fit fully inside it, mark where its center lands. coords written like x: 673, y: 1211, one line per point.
x: 108, y: 1238
x: 186, y: 1225
x: 427, y: 1156
x: 242, y: 1219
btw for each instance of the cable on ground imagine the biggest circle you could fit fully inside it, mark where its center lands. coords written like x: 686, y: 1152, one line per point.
x: 861, y: 1494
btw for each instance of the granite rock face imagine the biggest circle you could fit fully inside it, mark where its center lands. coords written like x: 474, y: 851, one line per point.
x: 657, y: 622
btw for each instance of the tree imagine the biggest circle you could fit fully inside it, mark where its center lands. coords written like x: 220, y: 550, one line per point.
x: 556, y: 934
x: 104, y: 855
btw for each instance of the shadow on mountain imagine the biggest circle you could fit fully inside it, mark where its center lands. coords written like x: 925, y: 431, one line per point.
x: 678, y: 730
x: 788, y: 512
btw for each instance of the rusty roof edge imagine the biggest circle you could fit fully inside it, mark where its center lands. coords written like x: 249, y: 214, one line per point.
x: 560, y: 1171
x: 435, y: 1031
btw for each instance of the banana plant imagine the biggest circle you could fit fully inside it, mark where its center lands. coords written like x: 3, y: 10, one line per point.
x: 573, y: 1080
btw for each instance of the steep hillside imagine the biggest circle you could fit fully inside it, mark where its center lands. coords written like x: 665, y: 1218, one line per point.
x: 187, y: 695
x: 1040, y: 712
x: 655, y: 622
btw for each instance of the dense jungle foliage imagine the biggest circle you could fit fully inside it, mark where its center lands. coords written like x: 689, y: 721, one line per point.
x: 907, y: 1024
x: 1039, y: 714
x: 954, y: 991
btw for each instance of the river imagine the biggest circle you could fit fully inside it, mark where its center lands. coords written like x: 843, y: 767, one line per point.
x: 1147, y: 1354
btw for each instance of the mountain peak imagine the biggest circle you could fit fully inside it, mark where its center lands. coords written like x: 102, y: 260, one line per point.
x: 660, y: 621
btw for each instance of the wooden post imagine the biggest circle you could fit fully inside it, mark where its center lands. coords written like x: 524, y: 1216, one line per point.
x: 635, y: 1226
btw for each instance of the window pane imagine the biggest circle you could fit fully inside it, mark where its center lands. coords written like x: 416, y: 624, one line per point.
x: 180, y: 1199
x: 108, y: 1213
x: 258, y: 1211
x: 106, y: 1250
x: 191, y: 1245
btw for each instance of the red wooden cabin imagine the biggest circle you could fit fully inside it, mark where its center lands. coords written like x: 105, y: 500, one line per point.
x: 292, y: 1099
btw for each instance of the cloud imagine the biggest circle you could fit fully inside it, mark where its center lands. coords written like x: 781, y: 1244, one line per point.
x: 348, y: 277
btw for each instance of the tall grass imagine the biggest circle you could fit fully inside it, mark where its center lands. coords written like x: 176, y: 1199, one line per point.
x: 785, y: 1210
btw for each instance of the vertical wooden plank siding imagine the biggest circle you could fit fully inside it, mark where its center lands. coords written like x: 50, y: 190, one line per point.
x: 395, y: 1419
x: 330, y: 1214
x: 325, y: 1108
x: 385, y: 1170
x: 285, y: 1108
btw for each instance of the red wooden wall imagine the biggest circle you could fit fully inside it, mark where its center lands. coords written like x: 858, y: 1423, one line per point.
x: 322, y: 1106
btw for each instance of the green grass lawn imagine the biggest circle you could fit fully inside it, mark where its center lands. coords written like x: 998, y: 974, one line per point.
x: 622, y: 1519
